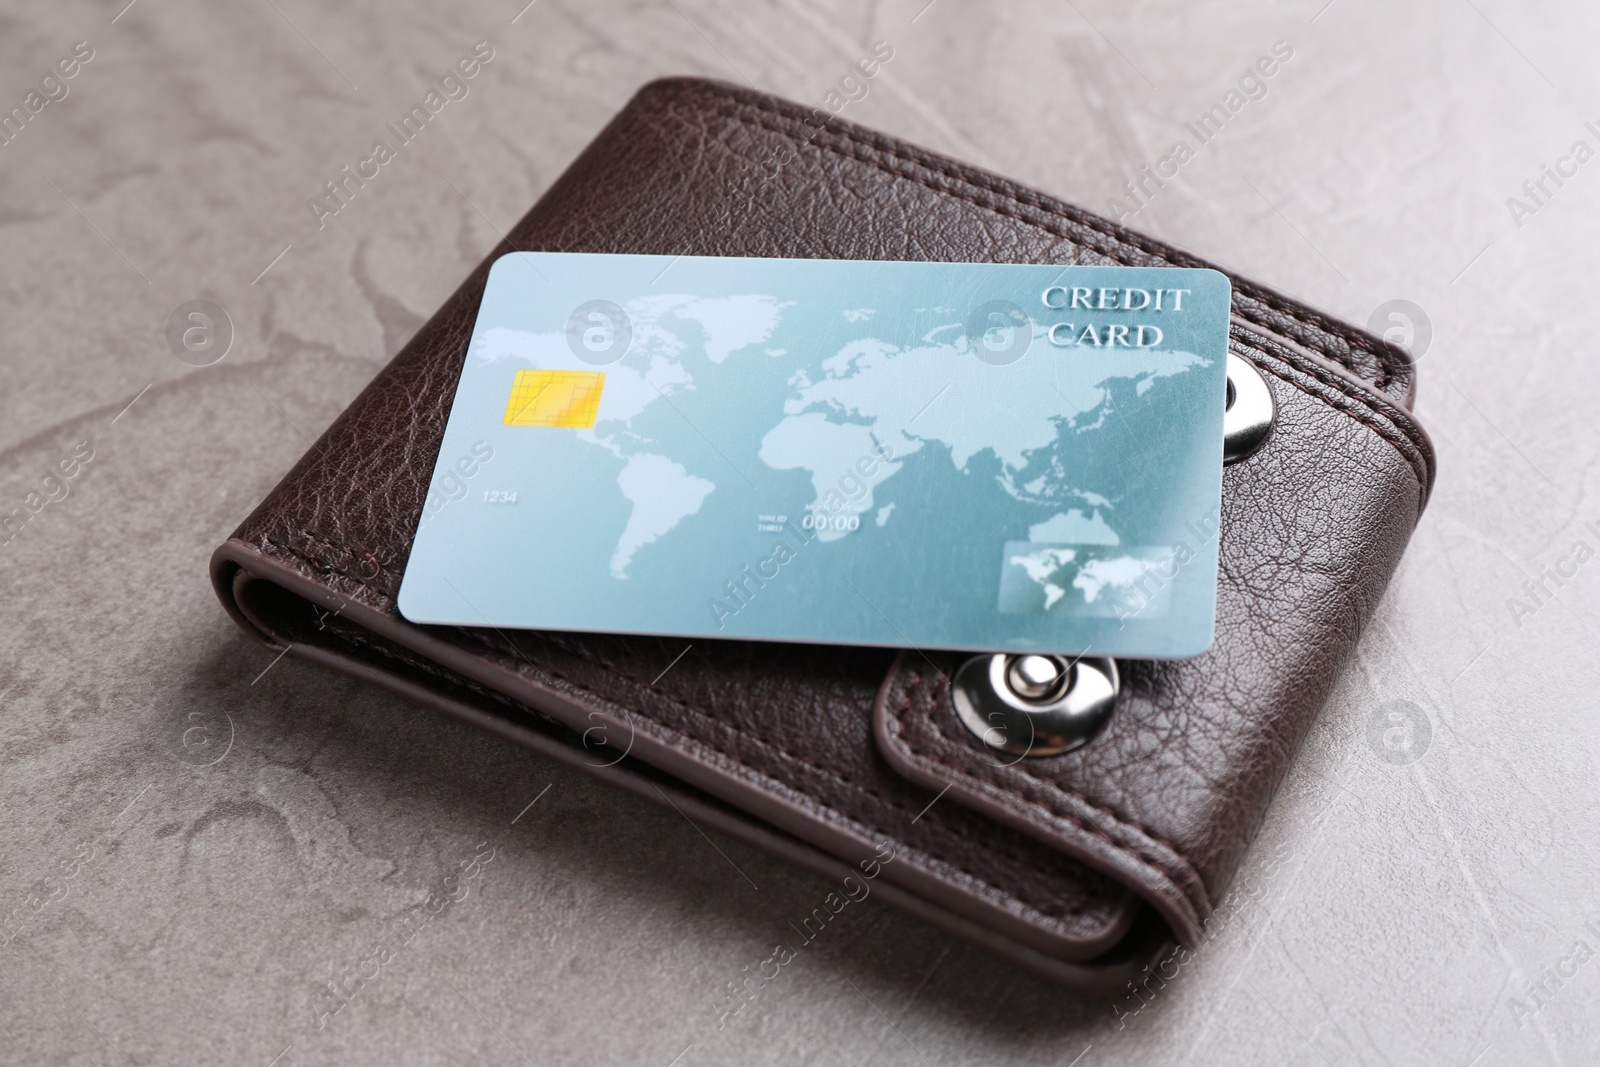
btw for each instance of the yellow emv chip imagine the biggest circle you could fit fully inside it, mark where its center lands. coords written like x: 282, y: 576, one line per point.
x: 567, y: 398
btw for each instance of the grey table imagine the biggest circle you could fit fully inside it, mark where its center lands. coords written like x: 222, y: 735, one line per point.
x: 196, y: 839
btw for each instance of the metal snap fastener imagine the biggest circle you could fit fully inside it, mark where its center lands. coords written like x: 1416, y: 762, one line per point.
x: 1038, y: 679
x: 1247, y: 420
x: 1034, y: 705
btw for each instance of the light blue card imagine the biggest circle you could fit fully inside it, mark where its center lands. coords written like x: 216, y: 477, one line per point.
x: 993, y: 457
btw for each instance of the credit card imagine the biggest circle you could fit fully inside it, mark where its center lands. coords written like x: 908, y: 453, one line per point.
x: 976, y: 456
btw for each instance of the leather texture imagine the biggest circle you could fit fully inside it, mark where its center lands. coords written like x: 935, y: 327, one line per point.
x: 1079, y: 867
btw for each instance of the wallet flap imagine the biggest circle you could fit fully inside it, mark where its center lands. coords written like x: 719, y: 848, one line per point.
x: 1170, y: 792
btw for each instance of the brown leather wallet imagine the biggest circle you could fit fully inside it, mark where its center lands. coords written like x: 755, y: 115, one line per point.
x: 1081, y: 867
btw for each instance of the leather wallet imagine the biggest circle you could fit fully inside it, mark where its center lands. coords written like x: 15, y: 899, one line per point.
x: 1082, y: 867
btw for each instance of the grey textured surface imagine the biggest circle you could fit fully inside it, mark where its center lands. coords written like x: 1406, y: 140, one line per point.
x: 195, y: 840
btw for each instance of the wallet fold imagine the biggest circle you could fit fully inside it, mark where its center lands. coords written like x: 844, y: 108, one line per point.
x: 1080, y: 867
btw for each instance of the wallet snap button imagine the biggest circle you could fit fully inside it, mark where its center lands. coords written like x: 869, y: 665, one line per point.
x: 1247, y: 419
x: 1034, y: 705
x: 1037, y: 679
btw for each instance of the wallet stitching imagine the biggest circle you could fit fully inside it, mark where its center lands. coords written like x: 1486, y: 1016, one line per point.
x: 1271, y: 301
x: 1088, y: 221
x: 1161, y: 865
x: 1060, y: 914
x: 1015, y: 860
x: 335, y: 546
x: 356, y: 635
x: 1363, y: 415
x: 1082, y: 218
x: 1127, y: 238
x: 423, y: 665
x: 1396, y: 437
